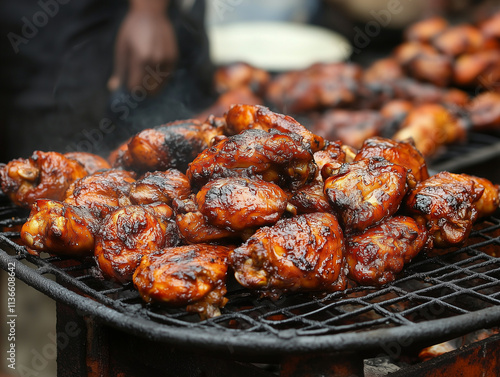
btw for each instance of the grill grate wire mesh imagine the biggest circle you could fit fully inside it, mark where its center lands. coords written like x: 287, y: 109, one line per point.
x: 461, y: 283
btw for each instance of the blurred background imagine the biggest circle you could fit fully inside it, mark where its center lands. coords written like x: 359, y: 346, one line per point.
x: 86, y: 75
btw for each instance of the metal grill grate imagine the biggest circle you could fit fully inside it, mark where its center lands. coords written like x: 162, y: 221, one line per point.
x: 437, y: 298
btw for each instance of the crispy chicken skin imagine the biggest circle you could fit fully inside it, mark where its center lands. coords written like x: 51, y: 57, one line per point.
x: 45, y: 175
x: 101, y: 192
x: 243, y: 117
x: 193, y: 275
x: 403, y: 153
x: 444, y: 205
x: 129, y: 233
x: 378, y: 254
x: 91, y: 162
x: 365, y: 192
x: 59, y: 229
x: 172, y: 145
x: 241, y: 203
x: 160, y: 186
x: 304, y: 252
x: 271, y: 156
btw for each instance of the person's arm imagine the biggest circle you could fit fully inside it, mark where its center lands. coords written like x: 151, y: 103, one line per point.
x: 145, y: 43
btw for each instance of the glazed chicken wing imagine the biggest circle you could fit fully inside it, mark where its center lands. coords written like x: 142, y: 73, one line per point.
x: 160, y: 186
x: 241, y: 203
x: 270, y: 156
x: 129, y: 233
x: 59, y: 229
x: 91, y: 162
x: 424, y: 31
x: 378, y: 254
x: 304, y: 252
x: 484, y: 111
x: 489, y: 201
x: 45, y: 175
x: 243, y: 117
x: 237, y: 75
x: 403, y: 153
x: 194, y: 228
x: 173, y: 145
x: 431, y: 127
x: 319, y: 86
x: 193, y: 275
x: 444, y: 205
x: 365, y: 192
x: 101, y: 192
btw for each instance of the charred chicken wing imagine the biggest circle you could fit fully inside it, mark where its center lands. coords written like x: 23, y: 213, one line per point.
x: 60, y: 229
x: 365, y: 192
x: 243, y: 117
x: 241, y: 203
x: 101, y: 192
x: 271, y: 156
x: 378, y: 254
x: 193, y: 275
x: 444, y: 205
x: 173, y: 145
x: 45, y: 175
x: 403, y: 153
x: 129, y: 233
x: 160, y: 186
x: 305, y: 252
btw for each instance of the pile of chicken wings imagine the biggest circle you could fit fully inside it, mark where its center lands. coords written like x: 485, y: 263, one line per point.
x: 178, y: 209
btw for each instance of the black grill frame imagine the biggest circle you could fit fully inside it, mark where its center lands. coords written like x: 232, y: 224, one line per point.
x: 437, y: 298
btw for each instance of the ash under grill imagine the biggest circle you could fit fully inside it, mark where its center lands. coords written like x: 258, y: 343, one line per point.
x: 437, y: 298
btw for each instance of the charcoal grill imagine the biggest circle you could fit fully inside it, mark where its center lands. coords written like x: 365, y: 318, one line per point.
x: 436, y: 299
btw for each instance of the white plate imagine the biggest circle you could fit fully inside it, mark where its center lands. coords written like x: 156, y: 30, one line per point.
x: 276, y: 46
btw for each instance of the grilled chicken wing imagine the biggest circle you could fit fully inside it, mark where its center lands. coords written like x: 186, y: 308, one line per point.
x: 444, y: 205
x: 270, y: 156
x: 365, y: 192
x: 378, y: 254
x: 194, y: 227
x: 237, y: 75
x: 91, y: 162
x: 101, y: 192
x: 60, y: 229
x: 241, y: 203
x: 301, y: 253
x: 193, y: 275
x: 403, y: 153
x: 43, y: 175
x: 481, y: 68
x: 351, y: 127
x: 322, y: 85
x: 173, y: 145
x: 484, y: 111
x: 424, y: 31
x: 243, y: 117
x: 160, y: 186
x: 431, y: 126
x: 489, y: 201
x: 129, y: 233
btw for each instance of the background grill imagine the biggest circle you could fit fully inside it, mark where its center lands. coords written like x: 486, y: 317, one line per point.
x: 437, y: 298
